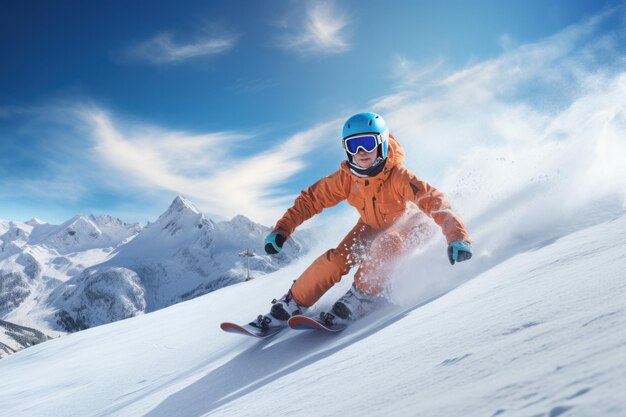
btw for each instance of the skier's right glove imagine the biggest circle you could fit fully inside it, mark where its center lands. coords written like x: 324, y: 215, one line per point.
x: 274, y: 243
x: 459, y: 251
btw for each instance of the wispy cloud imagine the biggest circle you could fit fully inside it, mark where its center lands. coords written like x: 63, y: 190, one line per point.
x: 87, y: 155
x: 411, y: 80
x: 323, y: 31
x: 208, y: 168
x: 164, y: 49
x: 409, y: 75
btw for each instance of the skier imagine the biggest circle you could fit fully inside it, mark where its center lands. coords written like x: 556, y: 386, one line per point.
x: 375, y: 182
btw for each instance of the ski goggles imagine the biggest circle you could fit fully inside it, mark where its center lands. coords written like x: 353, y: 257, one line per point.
x: 368, y: 142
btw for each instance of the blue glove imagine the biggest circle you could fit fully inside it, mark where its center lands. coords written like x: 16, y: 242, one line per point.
x: 274, y: 243
x: 459, y: 251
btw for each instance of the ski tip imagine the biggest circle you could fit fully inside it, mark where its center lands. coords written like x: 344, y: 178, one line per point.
x: 303, y: 323
x: 231, y: 327
x: 247, y: 330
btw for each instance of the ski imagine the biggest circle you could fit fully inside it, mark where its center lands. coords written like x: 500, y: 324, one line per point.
x: 249, y: 330
x: 298, y: 322
x: 310, y: 323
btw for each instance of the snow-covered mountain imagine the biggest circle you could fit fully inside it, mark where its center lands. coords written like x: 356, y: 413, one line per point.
x: 14, y: 338
x: 175, y: 254
x: 539, y: 334
x: 4, y: 226
x: 178, y: 257
x: 98, y: 296
x: 82, y: 233
x: 36, y: 257
x: 14, y: 236
x: 93, y: 270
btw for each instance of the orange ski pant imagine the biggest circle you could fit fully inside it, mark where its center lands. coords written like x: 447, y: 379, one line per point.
x: 372, y: 249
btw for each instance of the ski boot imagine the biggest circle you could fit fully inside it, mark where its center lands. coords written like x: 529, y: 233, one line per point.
x: 280, y: 312
x: 354, y: 304
x: 265, y: 323
x: 286, y: 307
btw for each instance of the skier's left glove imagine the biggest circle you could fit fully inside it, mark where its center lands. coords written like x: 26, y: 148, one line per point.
x: 459, y: 251
x: 274, y: 243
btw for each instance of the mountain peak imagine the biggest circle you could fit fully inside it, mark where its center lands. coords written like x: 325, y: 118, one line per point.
x: 35, y: 222
x: 180, y: 203
x: 182, y: 215
x: 244, y: 222
x: 83, y: 232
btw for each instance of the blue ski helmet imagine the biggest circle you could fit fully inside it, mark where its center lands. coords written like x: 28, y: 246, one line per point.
x: 368, y: 122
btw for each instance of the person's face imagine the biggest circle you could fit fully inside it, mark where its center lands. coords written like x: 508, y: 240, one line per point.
x: 365, y: 159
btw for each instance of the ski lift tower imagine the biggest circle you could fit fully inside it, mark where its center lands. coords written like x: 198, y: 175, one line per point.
x: 248, y: 254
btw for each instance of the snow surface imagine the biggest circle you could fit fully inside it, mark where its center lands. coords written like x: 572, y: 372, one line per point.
x: 541, y: 334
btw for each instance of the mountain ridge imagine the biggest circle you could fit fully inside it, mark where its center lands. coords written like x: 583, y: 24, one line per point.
x: 92, y: 270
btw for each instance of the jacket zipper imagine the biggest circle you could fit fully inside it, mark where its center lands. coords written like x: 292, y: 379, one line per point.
x: 375, y: 213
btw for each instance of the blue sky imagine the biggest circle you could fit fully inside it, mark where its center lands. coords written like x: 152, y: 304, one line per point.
x: 115, y: 107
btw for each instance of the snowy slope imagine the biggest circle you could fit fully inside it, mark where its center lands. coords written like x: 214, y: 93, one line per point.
x: 541, y: 334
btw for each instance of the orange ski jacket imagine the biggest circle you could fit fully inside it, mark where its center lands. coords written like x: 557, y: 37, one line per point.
x: 380, y: 200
